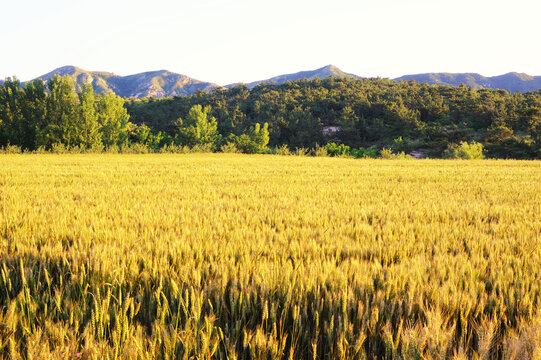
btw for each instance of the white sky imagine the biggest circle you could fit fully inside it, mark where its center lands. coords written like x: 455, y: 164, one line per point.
x: 226, y: 41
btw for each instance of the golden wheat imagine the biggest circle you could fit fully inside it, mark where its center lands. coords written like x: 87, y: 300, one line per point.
x: 268, y: 257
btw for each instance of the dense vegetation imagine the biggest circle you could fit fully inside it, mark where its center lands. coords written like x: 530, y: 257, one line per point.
x: 57, y: 117
x: 249, y: 257
x: 367, y: 116
x: 39, y: 116
x: 405, y: 116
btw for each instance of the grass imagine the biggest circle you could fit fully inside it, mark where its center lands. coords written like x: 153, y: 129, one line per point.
x: 268, y: 257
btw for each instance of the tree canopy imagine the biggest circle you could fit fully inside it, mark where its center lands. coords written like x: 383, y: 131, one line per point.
x: 359, y: 114
x: 365, y: 113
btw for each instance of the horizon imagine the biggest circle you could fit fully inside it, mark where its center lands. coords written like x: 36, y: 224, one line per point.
x: 240, y: 82
x: 233, y: 41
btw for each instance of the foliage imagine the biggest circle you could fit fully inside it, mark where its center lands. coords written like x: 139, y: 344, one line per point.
x: 113, y: 118
x: 11, y: 149
x: 202, y: 148
x: 363, y: 113
x: 320, y: 151
x: 198, y: 128
x: 135, y: 148
x: 386, y: 153
x: 301, y: 151
x: 334, y: 149
x: 363, y: 153
x: 464, y: 150
x: 90, y: 127
x: 225, y: 256
x: 142, y: 134
x: 254, y: 142
x: 229, y: 148
x: 61, y: 107
x: 32, y: 118
x: 282, y: 150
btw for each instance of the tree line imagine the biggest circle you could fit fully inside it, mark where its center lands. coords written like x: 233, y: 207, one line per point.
x: 378, y: 113
x: 42, y: 115
x: 48, y: 116
x: 364, y: 116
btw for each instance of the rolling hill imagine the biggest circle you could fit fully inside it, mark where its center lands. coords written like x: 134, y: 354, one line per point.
x: 148, y: 84
x: 164, y: 83
x: 511, y: 82
x: 324, y: 72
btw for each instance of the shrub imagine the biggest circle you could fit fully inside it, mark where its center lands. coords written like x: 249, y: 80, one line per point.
x: 386, y: 153
x: 174, y: 149
x: 11, y: 149
x: 95, y: 149
x: 59, y: 148
x: 40, y: 150
x: 254, y: 142
x: 363, y: 153
x: 229, y: 148
x: 334, y: 149
x: 401, y: 156
x: 282, y: 150
x: 135, y: 148
x: 77, y: 149
x: 320, y: 151
x: 169, y: 149
x: 203, y: 148
x: 473, y: 150
x: 112, y: 149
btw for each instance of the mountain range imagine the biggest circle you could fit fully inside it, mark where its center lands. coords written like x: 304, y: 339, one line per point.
x: 164, y: 83
x: 148, y: 84
x: 322, y: 73
x: 511, y: 82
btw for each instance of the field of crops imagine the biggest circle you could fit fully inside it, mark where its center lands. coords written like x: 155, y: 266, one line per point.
x: 268, y: 257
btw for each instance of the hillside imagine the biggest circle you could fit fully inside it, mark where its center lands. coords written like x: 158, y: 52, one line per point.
x: 163, y: 83
x: 148, y: 84
x: 322, y: 73
x: 406, y: 116
x: 511, y: 82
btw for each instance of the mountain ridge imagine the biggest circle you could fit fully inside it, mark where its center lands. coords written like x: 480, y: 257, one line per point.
x: 512, y: 81
x: 162, y: 83
x: 158, y: 83
x: 323, y: 72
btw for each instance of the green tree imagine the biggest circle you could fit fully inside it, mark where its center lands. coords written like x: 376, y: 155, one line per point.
x: 198, y: 128
x: 142, y: 134
x: 348, y: 122
x: 62, y: 118
x: 464, y: 150
x: 260, y: 136
x: 34, y: 112
x: 90, y: 128
x: 11, y: 117
x: 534, y: 124
x: 254, y: 142
x: 114, y: 121
x: 498, y: 132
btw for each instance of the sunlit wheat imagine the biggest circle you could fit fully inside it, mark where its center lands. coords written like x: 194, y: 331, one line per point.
x: 268, y: 257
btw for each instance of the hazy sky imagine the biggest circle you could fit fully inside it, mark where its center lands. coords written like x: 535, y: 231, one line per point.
x: 226, y: 41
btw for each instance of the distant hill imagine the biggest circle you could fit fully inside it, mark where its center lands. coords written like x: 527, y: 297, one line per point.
x: 165, y: 83
x: 148, y: 84
x: 511, y: 82
x: 324, y: 72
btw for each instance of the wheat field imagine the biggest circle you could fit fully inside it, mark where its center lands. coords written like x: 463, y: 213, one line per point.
x: 200, y: 256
